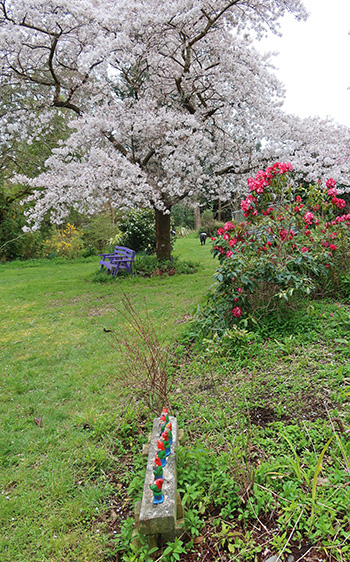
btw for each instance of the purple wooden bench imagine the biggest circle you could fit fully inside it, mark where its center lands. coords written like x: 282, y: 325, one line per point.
x: 121, y: 258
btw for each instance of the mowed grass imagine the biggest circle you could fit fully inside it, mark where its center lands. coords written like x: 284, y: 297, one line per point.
x: 57, y: 364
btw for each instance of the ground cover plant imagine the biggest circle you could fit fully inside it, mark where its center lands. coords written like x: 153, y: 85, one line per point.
x: 264, y: 468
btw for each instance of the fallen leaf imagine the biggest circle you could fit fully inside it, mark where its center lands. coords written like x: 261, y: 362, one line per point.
x: 198, y: 540
x: 38, y: 420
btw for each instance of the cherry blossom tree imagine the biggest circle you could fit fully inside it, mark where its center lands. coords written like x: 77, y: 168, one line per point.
x: 319, y: 148
x: 165, y: 100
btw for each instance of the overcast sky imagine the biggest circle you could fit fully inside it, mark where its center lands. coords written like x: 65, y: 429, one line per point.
x: 314, y: 60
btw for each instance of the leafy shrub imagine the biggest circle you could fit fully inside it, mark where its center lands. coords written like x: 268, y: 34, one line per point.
x: 208, y: 223
x: 66, y: 243
x: 138, y: 231
x: 14, y: 243
x: 292, y: 243
x: 98, y: 231
x: 183, y: 216
x: 182, y: 231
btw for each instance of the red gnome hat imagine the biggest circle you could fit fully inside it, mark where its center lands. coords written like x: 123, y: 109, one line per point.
x: 159, y: 483
x: 165, y: 435
x: 165, y: 411
x: 160, y: 445
x: 163, y: 418
x: 157, y: 461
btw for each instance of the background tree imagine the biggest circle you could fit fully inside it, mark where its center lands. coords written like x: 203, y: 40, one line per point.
x: 165, y: 100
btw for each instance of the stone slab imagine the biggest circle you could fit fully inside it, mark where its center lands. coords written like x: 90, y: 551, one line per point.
x: 161, y: 518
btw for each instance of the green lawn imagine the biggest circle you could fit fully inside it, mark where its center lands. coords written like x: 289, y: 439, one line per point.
x: 258, y: 414
x: 58, y: 363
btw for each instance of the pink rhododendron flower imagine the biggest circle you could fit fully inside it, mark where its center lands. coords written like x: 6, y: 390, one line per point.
x: 330, y: 183
x: 221, y: 231
x: 304, y: 250
x: 332, y: 247
x: 232, y: 242
x: 309, y: 217
x: 227, y: 236
x: 229, y: 253
x: 283, y: 234
x: 339, y: 203
x: 236, y: 312
x: 239, y: 290
x: 332, y: 192
x: 298, y: 199
x: 229, y: 226
x: 252, y: 184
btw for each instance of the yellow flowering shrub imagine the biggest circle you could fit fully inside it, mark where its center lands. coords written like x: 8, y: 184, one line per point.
x: 65, y: 242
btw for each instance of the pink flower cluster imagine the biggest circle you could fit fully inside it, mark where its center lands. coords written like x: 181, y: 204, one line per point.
x: 330, y: 183
x: 263, y: 177
x: 337, y: 220
x: 309, y: 217
x: 339, y: 203
x: 248, y: 206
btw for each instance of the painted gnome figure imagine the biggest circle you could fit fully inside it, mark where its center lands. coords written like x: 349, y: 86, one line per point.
x: 161, y: 452
x: 157, y: 468
x: 164, y: 419
x: 157, y: 491
x: 169, y: 428
x: 166, y: 442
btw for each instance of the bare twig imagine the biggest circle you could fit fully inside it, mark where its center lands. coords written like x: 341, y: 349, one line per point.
x: 147, y: 368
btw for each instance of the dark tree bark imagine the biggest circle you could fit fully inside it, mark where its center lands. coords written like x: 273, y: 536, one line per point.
x: 163, y: 236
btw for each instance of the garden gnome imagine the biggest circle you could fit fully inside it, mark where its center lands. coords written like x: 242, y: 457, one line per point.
x: 164, y: 419
x: 165, y: 411
x: 157, y: 468
x: 169, y: 428
x: 157, y: 491
x: 161, y: 452
x: 165, y: 438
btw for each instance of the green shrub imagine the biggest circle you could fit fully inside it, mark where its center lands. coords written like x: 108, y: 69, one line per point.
x: 183, y: 216
x: 208, y: 223
x: 291, y: 244
x: 98, y: 231
x: 138, y: 231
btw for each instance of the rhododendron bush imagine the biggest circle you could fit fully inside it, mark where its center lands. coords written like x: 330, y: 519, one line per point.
x: 294, y: 240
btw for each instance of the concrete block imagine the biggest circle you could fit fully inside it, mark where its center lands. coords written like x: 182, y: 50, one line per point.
x: 137, y: 510
x: 160, y: 519
x: 180, y: 514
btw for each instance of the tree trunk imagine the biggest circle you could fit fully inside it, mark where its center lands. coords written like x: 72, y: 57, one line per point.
x: 163, y: 236
x: 197, y: 217
x: 219, y: 210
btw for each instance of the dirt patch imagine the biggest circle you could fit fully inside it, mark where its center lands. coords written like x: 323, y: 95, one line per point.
x: 263, y: 415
